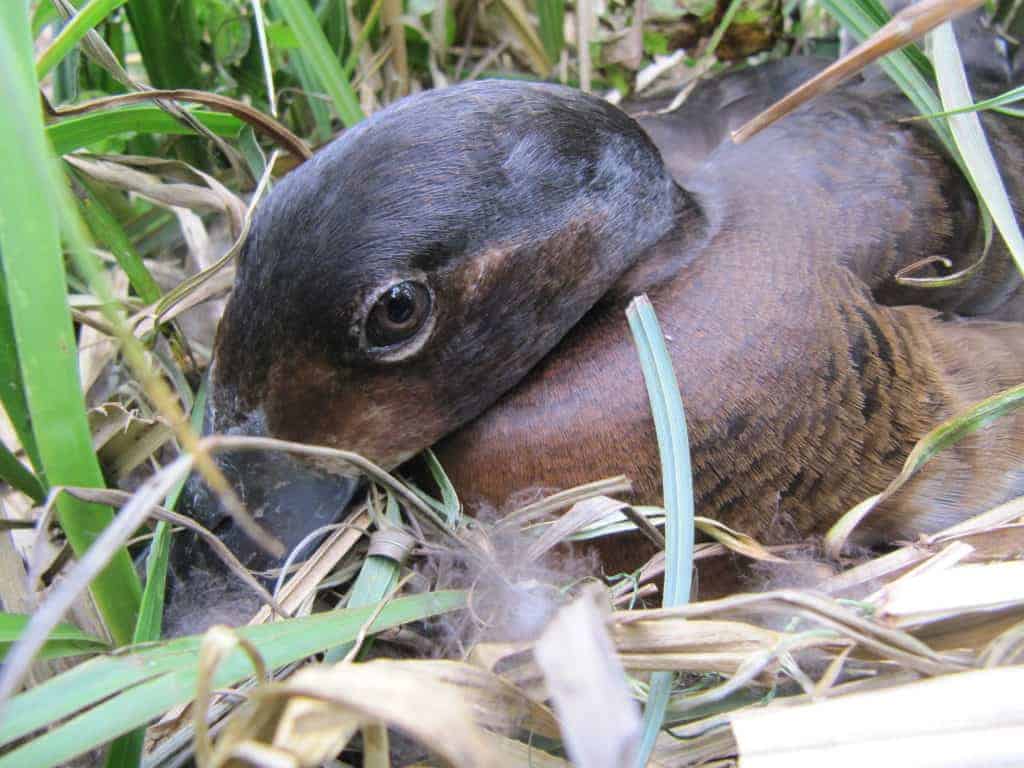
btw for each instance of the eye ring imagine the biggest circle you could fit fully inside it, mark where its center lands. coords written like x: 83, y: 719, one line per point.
x: 398, y: 314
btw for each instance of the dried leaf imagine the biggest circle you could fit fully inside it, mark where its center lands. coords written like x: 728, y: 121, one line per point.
x: 967, y: 720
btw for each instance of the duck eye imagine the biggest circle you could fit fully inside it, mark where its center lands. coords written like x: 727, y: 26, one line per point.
x: 398, y: 314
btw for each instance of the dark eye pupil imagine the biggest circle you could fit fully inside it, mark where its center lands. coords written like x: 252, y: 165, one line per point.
x: 401, y: 304
x: 398, y: 314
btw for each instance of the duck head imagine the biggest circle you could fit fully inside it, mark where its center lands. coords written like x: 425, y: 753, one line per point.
x: 400, y: 281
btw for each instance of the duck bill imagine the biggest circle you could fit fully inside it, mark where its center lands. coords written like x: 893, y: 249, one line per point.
x: 289, y: 499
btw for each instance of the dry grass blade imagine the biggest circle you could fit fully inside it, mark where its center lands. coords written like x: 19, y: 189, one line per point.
x: 217, y: 643
x: 697, y: 646
x: 303, y: 585
x: 952, y: 593
x: 969, y: 720
x: 895, y: 562
x: 600, y: 722
x: 96, y: 47
x: 875, y: 636
x: 517, y: 753
x: 201, y: 287
x: 906, y: 27
x: 585, y: 23
x: 122, y: 173
x: 736, y: 541
x: 95, y: 348
x: 564, y: 499
x: 518, y: 31
x: 391, y: 16
x: 579, y: 516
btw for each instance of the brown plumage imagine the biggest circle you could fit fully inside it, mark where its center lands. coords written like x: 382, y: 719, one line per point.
x: 457, y: 267
x: 806, y: 372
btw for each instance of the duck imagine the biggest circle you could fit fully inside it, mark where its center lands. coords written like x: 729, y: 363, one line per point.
x: 453, y: 273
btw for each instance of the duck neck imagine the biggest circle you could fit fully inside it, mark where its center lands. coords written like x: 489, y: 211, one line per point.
x: 671, y: 253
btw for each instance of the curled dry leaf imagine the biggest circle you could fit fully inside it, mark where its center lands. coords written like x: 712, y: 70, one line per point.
x: 216, y: 644
x: 497, y: 703
x: 124, y: 439
x: 324, y: 706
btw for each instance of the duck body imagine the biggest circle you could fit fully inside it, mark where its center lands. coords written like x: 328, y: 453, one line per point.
x: 456, y: 269
x: 806, y: 372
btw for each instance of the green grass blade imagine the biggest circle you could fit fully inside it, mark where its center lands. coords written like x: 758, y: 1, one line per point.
x: 33, y: 266
x: 677, y: 481
x: 314, y: 48
x: 551, y: 26
x: 129, y: 690
x: 12, y: 390
x: 77, y: 132
x: 107, y: 229
x: 65, y: 640
x: 151, y: 611
x: 369, y: 25
x: 18, y: 475
x: 318, y: 108
x: 970, y: 140
x: 168, y: 38
x: 88, y: 17
x: 451, y: 507
x: 723, y: 26
x: 126, y: 750
x: 1009, y: 97
x: 66, y: 77
x: 377, y: 577
x: 877, y: 15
